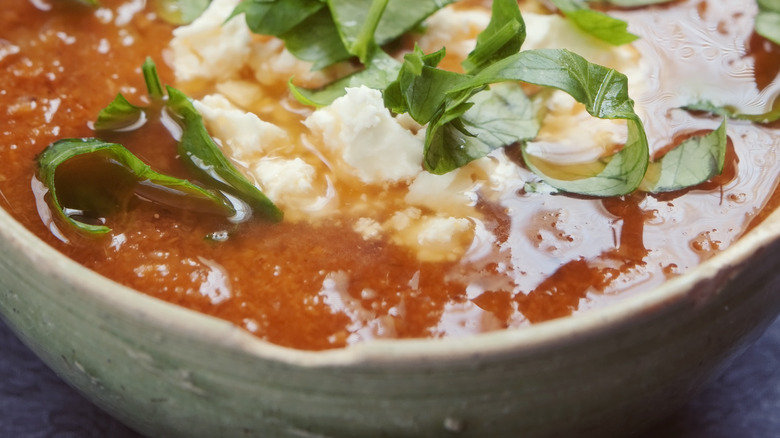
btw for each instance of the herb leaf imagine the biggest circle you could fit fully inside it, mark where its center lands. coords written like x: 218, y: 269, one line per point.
x: 770, y: 116
x: 119, y: 115
x: 504, y: 36
x: 694, y: 161
x: 358, y: 39
x: 327, y: 35
x: 768, y: 20
x: 493, y: 119
x: 603, y: 91
x: 598, y: 24
x: 155, y: 185
x: 276, y: 17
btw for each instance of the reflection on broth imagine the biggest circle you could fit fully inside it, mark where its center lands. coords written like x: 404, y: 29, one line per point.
x: 368, y: 250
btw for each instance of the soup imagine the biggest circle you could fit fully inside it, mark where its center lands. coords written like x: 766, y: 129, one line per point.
x: 370, y: 248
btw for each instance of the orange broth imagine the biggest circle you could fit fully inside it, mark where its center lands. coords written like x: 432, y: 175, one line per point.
x: 61, y: 62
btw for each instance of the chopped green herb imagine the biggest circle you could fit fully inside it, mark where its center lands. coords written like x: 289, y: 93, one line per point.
x: 469, y: 114
x: 598, y: 24
x: 327, y: 32
x: 693, y: 162
x: 770, y: 116
x: 768, y: 20
x: 195, y: 148
x: 153, y: 185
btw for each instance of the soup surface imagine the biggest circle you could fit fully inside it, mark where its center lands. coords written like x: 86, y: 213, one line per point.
x: 369, y: 251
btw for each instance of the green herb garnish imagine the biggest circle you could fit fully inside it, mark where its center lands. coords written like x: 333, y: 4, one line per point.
x: 467, y: 115
x: 130, y: 174
x: 693, y: 162
x: 731, y: 112
x: 327, y: 32
x: 196, y: 149
x: 768, y: 20
x: 598, y: 24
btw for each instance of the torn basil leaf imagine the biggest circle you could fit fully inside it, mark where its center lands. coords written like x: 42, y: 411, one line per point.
x: 694, y: 161
x: 120, y: 115
x: 503, y: 36
x: 202, y: 155
x: 327, y: 32
x: 603, y: 91
x: 195, y: 148
x: 127, y: 174
x: 595, y: 23
x: 494, y: 118
x: 731, y: 112
x: 768, y: 20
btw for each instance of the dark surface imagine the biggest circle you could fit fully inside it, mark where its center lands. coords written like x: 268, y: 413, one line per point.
x: 745, y: 402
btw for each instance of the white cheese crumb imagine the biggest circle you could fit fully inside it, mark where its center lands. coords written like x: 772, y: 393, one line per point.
x: 284, y: 180
x: 368, y: 228
x: 246, y: 136
x: 361, y: 131
x: 210, y: 48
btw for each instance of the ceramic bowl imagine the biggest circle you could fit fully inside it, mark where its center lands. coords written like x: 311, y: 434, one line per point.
x: 167, y: 371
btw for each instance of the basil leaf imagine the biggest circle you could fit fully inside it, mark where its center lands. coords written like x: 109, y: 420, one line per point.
x: 693, y: 162
x: 492, y: 119
x: 327, y: 35
x: 503, y: 36
x: 180, y: 12
x: 120, y: 115
x: 603, y: 91
x: 205, y: 159
x: 162, y: 188
x: 316, y: 40
x: 199, y: 152
x: 768, y: 20
x: 357, y: 23
x: 770, y: 116
x: 423, y: 87
x: 595, y: 23
x: 274, y: 17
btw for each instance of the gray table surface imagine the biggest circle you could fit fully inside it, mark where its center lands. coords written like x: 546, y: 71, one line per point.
x: 744, y: 402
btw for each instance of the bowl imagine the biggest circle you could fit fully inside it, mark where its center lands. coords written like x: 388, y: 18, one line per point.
x: 166, y: 371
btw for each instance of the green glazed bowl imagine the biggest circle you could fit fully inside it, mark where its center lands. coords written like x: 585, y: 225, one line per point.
x: 170, y: 372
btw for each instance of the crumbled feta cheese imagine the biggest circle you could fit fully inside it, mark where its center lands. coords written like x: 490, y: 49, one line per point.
x: 284, y: 181
x: 368, y: 228
x: 435, y: 238
x: 246, y: 136
x: 361, y: 131
x: 210, y: 48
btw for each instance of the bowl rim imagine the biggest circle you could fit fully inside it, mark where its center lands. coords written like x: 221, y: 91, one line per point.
x: 186, y: 323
